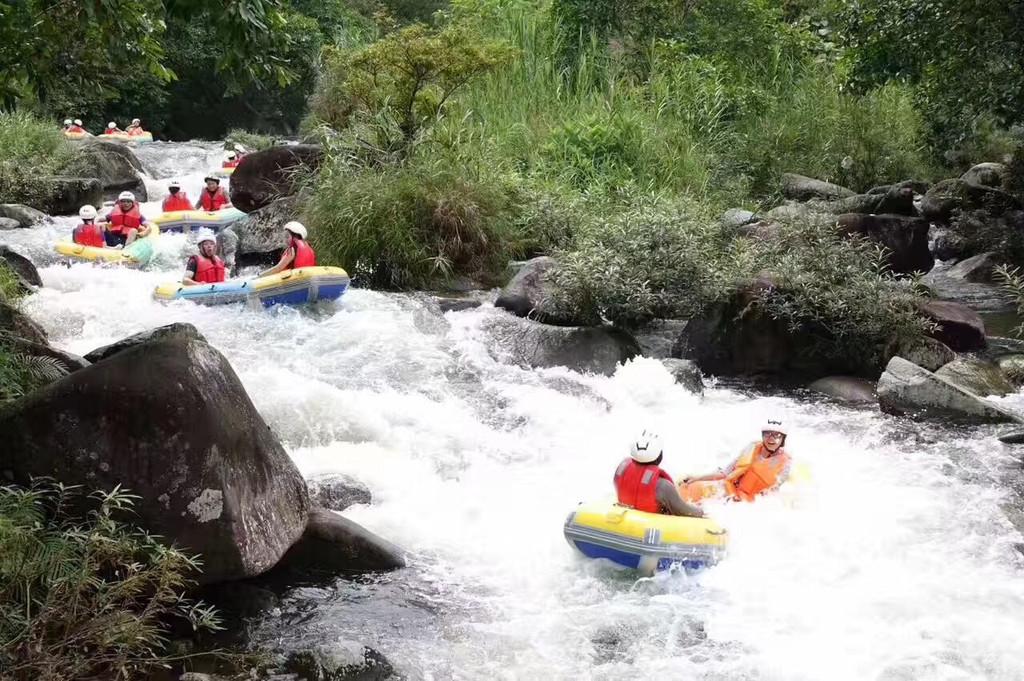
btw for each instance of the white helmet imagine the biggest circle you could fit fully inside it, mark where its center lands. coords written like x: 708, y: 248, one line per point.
x: 645, y: 447
x: 126, y: 196
x: 230, y: 155
x: 67, y: 121
x: 87, y: 213
x: 78, y: 121
x: 206, y: 237
x: 774, y: 425
x: 175, y: 183
x: 111, y: 125
x: 135, y: 120
x: 296, y: 228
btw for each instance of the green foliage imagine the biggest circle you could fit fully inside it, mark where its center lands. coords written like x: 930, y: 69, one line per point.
x: 86, y: 596
x: 29, y: 148
x: 1011, y: 281
x: 10, y: 287
x: 250, y: 140
x: 21, y: 374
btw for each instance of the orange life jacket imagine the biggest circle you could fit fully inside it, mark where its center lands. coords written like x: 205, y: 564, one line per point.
x: 215, y: 201
x: 208, y: 270
x: 121, y: 222
x: 757, y: 471
x: 177, y: 201
x: 115, y: 131
x: 636, y: 485
x: 88, y: 234
x: 305, y: 256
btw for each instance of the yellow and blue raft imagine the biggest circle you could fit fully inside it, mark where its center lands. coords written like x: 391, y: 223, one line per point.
x: 139, y: 253
x: 192, y: 220
x: 141, y: 138
x: 648, y: 542
x: 291, y: 287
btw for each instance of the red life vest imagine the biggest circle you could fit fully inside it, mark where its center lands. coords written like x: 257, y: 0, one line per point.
x: 121, y: 222
x: 209, y: 270
x: 214, y: 201
x: 305, y: 256
x: 88, y: 234
x: 177, y: 201
x: 75, y: 128
x: 636, y: 485
x: 231, y: 164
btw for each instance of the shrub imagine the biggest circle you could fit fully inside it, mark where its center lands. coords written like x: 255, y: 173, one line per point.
x: 29, y: 147
x: 85, y: 596
x: 250, y: 140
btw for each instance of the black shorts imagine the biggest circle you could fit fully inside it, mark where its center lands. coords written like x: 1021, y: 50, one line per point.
x: 115, y: 238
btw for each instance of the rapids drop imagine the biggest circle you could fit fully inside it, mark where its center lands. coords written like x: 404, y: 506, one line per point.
x: 898, y: 563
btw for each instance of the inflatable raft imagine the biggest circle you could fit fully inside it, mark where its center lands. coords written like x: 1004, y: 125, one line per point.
x: 224, y: 172
x: 77, y: 135
x: 700, y: 491
x: 130, y: 139
x: 139, y: 253
x: 647, y: 542
x: 292, y: 287
x: 192, y: 220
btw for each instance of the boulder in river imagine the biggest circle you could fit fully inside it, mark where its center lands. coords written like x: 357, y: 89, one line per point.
x: 331, y: 543
x: 848, y: 389
x: 686, y: 374
x: 927, y: 353
x: 959, y: 327
x: 7, y: 224
x: 265, y: 176
x: 337, y: 491
x: 65, y: 195
x: 17, y: 324
x: 801, y: 188
x: 26, y: 273
x: 23, y: 215
x: 178, y: 330
x: 261, y: 236
x: 531, y: 293
x: 339, y: 661
x: 907, y: 389
x: 905, y: 238
x: 978, y: 269
x: 114, y: 165
x: 978, y: 376
x: 169, y: 420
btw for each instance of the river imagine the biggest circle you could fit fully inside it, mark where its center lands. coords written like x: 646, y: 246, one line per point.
x: 896, y: 563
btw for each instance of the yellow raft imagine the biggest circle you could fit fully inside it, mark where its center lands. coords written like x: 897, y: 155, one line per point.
x: 291, y: 287
x: 77, y: 135
x: 139, y: 253
x: 191, y: 220
x: 125, y: 137
x: 647, y: 542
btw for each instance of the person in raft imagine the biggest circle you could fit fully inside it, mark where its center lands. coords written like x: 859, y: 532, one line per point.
x: 204, y: 267
x: 176, y: 199
x: 76, y: 126
x: 231, y: 160
x: 112, y: 129
x: 125, y: 223
x: 67, y: 124
x: 213, y: 197
x: 88, y: 233
x: 298, y: 253
x: 762, y: 467
x: 640, y: 482
x: 135, y: 128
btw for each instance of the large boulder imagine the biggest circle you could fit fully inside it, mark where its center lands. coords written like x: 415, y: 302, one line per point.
x: 24, y: 270
x: 988, y: 175
x: 7, y: 225
x: 177, y: 330
x: 925, y: 352
x: 907, y: 389
x: 168, y: 420
x: 801, y: 188
x: 959, y: 327
x: 23, y: 215
x: 895, y: 201
x: 686, y: 374
x: 261, y: 236
x: 977, y: 376
x: 1012, y: 367
x: 949, y: 197
x: 978, y: 269
x: 337, y: 491
x: 16, y: 324
x: 114, y: 165
x: 334, y: 544
x: 658, y: 338
x: 531, y: 294
x: 265, y: 176
x: 65, y: 195
x: 904, y: 237
x: 338, y: 661
x: 597, y: 350
x: 848, y: 389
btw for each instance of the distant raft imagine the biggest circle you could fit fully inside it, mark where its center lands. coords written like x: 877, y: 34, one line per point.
x: 141, y: 138
x: 77, y: 135
x: 139, y: 253
x: 193, y: 220
x: 223, y: 172
x: 648, y: 542
x: 291, y: 287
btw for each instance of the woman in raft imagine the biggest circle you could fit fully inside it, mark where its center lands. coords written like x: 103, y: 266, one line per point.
x: 763, y: 466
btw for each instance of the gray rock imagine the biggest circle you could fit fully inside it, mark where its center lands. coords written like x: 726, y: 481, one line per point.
x: 456, y: 304
x: 734, y: 218
x: 65, y: 195
x: 988, y: 175
x: 23, y: 215
x: 657, y: 338
x: 532, y: 294
x: 847, y: 389
x: 265, y: 176
x: 227, y: 247
x: 927, y: 353
x: 261, y: 236
x: 24, y: 270
x: 976, y: 269
x: 182, y: 330
x: 597, y: 350
x: 209, y: 474
x: 337, y: 491
x: 1014, y: 437
x: 686, y: 374
x: 999, y: 346
x: 895, y: 201
x: 7, y: 224
x: 114, y: 165
x: 334, y: 544
x: 801, y: 188
x: 339, y: 661
x: 1012, y: 367
x: 950, y: 197
x: 959, y: 327
x: 907, y: 389
x: 17, y: 324
x: 916, y: 186
x: 977, y: 376
x: 905, y: 238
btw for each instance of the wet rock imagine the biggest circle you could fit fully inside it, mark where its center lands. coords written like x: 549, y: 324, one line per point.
x: 227, y: 247
x: 801, y: 188
x: 265, y: 176
x: 7, y: 224
x: 849, y: 389
x: 907, y: 389
x: 949, y: 197
x: 66, y: 362
x: 658, y: 337
x: 114, y: 165
x: 65, y: 195
x: 988, y: 175
x: 976, y: 269
x: 532, y: 294
x: 734, y: 218
x: 686, y: 374
x: 179, y: 330
x: 959, y: 327
x: 169, y: 420
x: 977, y: 376
x: 340, y: 661
x: 1014, y: 437
x: 947, y: 244
x: 894, y: 201
x: 927, y: 353
x: 1012, y: 367
x: 26, y: 273
x: 916, y: 186
x: 23, y: 215
x: 585, y: 349
x: 905, y: 238
x: 261, y: 236
x: 980, y: 297
x: 337, y: 491
x: 333, y: 544
x: 456, y: 304
x: 15, y: 323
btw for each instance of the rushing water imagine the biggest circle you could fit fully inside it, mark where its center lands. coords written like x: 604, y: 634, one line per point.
x: 896, y: 563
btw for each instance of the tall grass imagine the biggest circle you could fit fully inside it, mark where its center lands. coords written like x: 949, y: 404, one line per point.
x: 30, y: 147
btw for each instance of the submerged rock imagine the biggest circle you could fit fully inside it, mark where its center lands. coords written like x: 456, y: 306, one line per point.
x: 977, y: 376
x: 686, y: 374
x: 849, y: 389
x: 907, y: 389
x: 597, y: 350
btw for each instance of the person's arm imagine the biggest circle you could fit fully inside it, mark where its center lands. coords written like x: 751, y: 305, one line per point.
x: 669, y: 499
x: 199, y: 201
x: 286, y: 259
x: 190, y: 272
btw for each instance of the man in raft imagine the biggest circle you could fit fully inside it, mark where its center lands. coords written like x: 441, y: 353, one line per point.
x: 205, y: 267
x: 176, y: 199
x: 88, y: 233
x: 231, y: 160
x: 112, y: 129
x: 762, y: 467
x: 213, y: 197
x: 135, y: 129
x: 126, y: 222
x: 297, y: 253
x: 640, y: 482
x: 76, y: 126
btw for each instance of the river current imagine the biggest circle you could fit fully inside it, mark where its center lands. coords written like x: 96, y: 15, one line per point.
x: 896, y: 563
